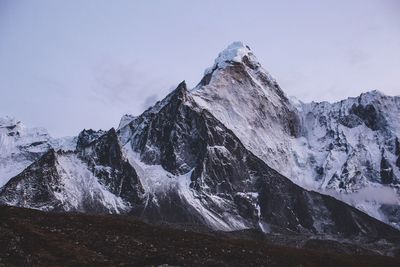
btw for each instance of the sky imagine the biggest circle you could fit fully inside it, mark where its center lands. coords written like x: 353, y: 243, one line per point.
x: 70, y: 65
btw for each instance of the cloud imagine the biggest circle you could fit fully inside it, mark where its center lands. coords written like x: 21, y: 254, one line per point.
x: 126, y: 87
x: 381, y: 194
x: 149, y: 101
x: 116, y: 82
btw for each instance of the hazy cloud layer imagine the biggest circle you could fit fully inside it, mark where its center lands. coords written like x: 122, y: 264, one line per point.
x: 122, y: 84
x: 380, y: 194
x: 149, y: 101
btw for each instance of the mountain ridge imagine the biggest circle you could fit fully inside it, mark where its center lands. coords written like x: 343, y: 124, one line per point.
x: 315, y: 144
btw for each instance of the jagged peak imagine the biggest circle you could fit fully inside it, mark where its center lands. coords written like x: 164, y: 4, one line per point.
x: 373, y: 93
x: 367, y: 97
x: 238, y: 63
x: 125, y: 119
x: 235, y: 52
x: 371, y: 97
x: 180, y: 92
x: 49, y: 158
x: 8, y: 121
x: 112, y: 131
x: 109, y: 136
x: 364, y: 98
x: 14, y: 128
x: 181, y: 88
x: 86, y: 137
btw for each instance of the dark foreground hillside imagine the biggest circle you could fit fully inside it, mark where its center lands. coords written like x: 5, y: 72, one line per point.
x: 34, y: 238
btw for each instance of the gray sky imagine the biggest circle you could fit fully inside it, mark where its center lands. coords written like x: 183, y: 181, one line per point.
x: 69, y: 65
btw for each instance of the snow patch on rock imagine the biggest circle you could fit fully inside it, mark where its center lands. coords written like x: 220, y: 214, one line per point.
x: 79, y: 185
x: 157, y: 181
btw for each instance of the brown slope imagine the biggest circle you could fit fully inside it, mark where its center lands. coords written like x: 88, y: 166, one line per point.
x: 34, y: 238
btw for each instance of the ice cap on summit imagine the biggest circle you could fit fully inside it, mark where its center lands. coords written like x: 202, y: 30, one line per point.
x: 233, y: 53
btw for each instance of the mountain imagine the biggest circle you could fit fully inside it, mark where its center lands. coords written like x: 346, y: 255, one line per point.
x: 348, y: 149
x: 247, y: 100
x: 216, y: 156
x: 94, y: 178
x: 352, y: 147
x: 20, y: 146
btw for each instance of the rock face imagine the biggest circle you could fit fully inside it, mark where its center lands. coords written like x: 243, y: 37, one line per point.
x: 215, y: 156
x: 36, y: 185
x: 105, y: 160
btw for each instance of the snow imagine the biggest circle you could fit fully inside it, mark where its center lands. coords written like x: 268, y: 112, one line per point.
x: 20, y: 146
x: 364, y: 147
x: 369, y: 199
x: 252, y: 109
x: 125, y: 120
x: 67, y: 143
x: 157, y: 182
x: 224, y: 222
x: 79, y: 185
x: 251, y: 106
x: 17, y: 146
x: 233, y: 53
x: 253, y: 196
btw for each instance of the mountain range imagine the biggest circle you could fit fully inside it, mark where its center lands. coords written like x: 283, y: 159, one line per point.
x: 230, y: 154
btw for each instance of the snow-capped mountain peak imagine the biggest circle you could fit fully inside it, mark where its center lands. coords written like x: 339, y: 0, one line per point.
x: 20, y: 146
x: 235, y: 52
x: 8, y: 121
x: 344, y: 146
x: 238, y: 63
x: 241, y: 94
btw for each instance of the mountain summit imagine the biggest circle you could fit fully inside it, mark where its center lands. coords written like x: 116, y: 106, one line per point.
x: 235, y: 52
x: 241, y: 94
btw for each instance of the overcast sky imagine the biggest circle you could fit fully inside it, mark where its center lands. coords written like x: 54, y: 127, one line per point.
x: 69, y: 65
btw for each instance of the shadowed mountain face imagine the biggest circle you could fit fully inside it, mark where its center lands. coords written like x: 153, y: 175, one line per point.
x: 210, y: 157
x: 105, y: 159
